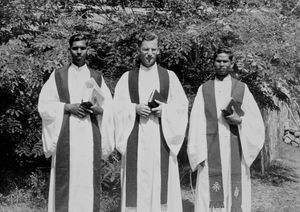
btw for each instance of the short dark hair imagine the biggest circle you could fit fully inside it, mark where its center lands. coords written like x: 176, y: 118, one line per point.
x: 77, y: 37
x: 147, y: 36
x: 224, y: 50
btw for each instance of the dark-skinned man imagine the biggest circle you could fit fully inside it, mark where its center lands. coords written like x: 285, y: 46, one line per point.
x: 74, y: 134
x: 226, y: 134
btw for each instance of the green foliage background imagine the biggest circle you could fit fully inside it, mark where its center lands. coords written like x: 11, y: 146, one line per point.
x: 33, y: 42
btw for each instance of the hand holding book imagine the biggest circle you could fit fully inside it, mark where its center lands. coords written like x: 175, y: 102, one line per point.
x: 157, y: 110
x: 232, y: 112
x: 232, y: 106
x: 143, y: 110
x: 90, y: 108
x: 92, y: 98
x: 155, y: 95
x: 234, y: 118
x: 86, y: 105
x: 154, y: 103
x: 92, y: 93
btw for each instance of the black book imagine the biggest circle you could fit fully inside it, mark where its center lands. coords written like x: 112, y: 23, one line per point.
x: 155, y: 95
x: 227, y: 109
x: 86, y: 105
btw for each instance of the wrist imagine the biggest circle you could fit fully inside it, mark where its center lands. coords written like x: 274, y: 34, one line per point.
x: 237, y: 121
x: 240, y: 120
x: 67, y: 108
x: 99, y: 110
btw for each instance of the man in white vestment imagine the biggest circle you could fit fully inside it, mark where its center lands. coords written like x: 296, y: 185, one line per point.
x: 149, y: 136
x: 226, y: 134
x: 76, y: 135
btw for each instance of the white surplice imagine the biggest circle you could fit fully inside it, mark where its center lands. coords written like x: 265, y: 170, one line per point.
x: 174, y: 120
x: 252, y: 133
x: 51, y: 110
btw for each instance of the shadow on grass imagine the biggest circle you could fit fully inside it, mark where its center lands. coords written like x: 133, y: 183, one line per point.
x: 277, y: 174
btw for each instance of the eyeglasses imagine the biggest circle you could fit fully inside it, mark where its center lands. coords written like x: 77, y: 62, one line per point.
x: 76, y: 48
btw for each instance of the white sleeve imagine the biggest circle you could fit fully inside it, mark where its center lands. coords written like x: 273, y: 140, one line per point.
x: 197, y: 143
x: 106, y: 123
x: 51, y: 111
x: 124, y: 114
x: 252, y: 129
x: 175, y: 115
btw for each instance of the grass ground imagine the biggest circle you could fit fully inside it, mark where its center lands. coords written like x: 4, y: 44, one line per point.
x: 277, y: 191
x: 20, y: 208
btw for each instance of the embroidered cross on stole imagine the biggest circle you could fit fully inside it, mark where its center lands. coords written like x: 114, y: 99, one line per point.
x: 213, y: 148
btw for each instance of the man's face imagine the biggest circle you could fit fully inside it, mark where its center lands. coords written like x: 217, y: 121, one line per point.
x: 222, y: 65
x: 78, y: 52
x: 148, y: 52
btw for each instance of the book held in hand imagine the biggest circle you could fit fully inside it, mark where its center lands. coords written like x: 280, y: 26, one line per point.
x: 86, y: 105
x: 227, y: 109
x: 155, y: 95
x: 92, y: 94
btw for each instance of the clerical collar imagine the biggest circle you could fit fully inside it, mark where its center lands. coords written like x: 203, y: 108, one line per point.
x: 78, y: 68
x: 227, y: 78
x: 144, y: 68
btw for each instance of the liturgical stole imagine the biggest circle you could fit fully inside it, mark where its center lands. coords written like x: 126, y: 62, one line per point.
x: 213, y: 148
x: 62, y: 165
x: 132, y: 144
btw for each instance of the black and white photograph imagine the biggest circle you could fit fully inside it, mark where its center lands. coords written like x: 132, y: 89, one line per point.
x: 150, y: 106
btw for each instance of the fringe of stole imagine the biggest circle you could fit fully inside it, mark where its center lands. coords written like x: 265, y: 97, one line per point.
x: 236, y: 209
x: 216, y: 204
x: 220, y: 204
